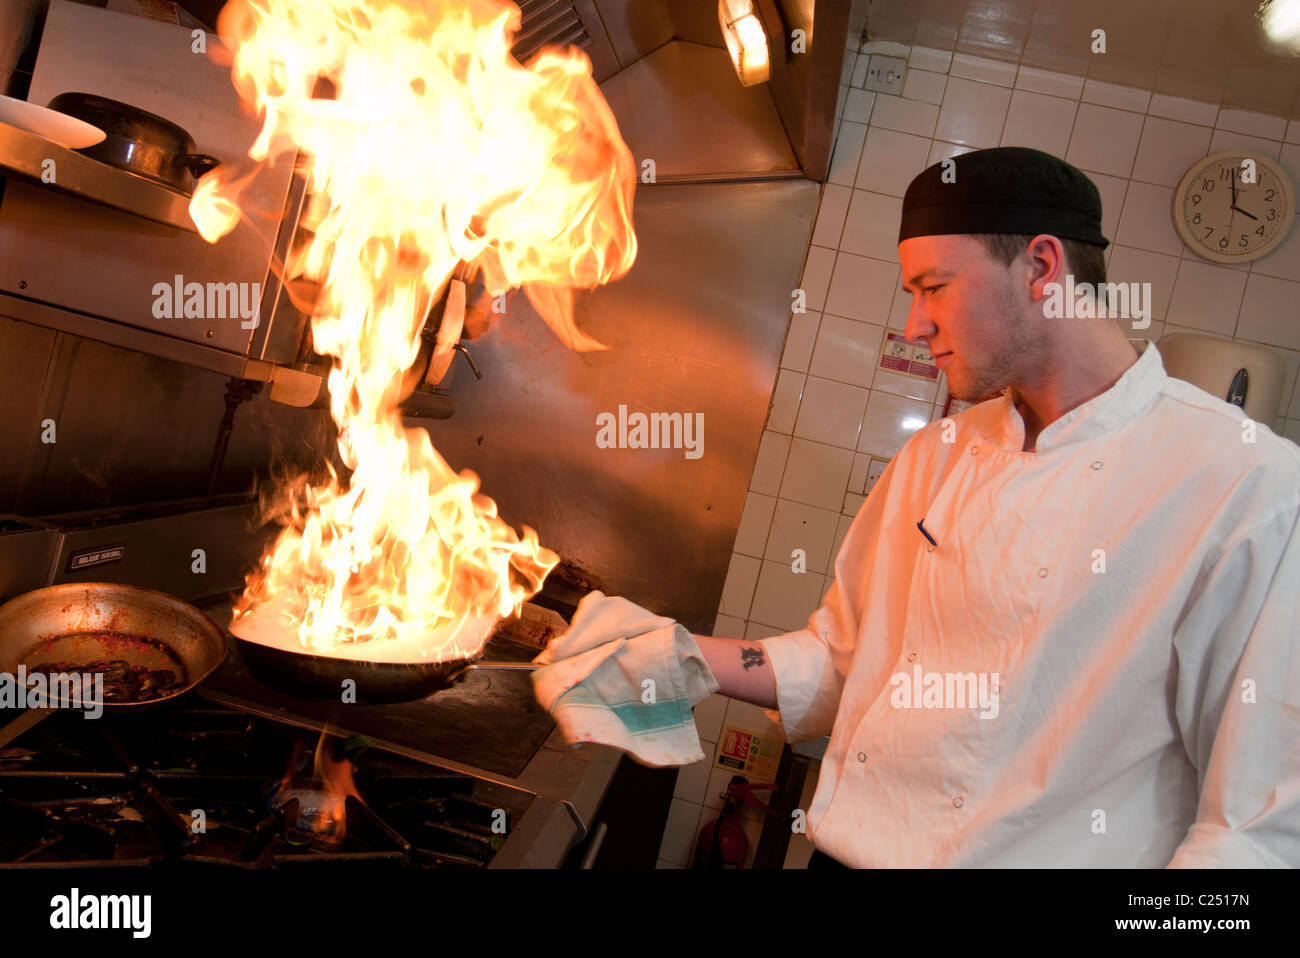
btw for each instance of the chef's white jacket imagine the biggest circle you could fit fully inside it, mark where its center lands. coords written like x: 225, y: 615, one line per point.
x: 1134, y: 587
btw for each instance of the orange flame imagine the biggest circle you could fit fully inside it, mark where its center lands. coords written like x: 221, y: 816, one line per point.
x: 323, y: 796
x: 427, y: 146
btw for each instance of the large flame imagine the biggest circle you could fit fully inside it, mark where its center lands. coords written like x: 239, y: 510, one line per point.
x: 427, y: 146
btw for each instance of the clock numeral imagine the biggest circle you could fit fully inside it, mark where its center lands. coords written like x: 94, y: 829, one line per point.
x: 1228, y: 173
x: 1242, y: 241
x: 1272, y: 215
x: 1268, y: 195
x: 1196, y: 198
x: 1207, y: 185
x: 1260, y: 231
x: 1209, y: 231
x: 1196, y: 219
x: 1223, y: 243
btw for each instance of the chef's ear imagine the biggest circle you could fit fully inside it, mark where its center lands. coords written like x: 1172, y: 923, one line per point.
x: 1048, y: 264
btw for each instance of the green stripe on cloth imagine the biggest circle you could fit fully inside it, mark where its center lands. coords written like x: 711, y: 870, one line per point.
x: 639, y: 717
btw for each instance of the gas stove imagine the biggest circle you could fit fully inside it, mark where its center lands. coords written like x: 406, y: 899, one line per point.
x: 485, y: 740
x: 195, y: 784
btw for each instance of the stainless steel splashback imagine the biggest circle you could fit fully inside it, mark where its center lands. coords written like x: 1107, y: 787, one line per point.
x: 696, y: 326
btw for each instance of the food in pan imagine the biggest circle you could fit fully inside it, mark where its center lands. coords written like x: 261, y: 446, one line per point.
x: 123, y: 682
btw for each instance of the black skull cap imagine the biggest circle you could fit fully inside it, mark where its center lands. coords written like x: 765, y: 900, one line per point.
x: 1006, y: 190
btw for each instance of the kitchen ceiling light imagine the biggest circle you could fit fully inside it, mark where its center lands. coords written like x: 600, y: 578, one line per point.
x: 1279, y: 25
x: 746, y: 41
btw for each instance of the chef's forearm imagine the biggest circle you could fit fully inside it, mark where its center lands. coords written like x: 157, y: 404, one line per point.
x: 741, y: 668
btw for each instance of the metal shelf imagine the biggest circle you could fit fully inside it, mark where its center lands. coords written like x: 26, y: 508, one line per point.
x: 25, y: 155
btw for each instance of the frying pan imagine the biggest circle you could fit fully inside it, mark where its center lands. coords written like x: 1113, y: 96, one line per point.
x: 308, y: 676
x: 87, y: 622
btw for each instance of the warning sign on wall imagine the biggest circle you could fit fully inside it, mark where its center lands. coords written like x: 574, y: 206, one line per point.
x: 757, y: 757
x: 897, y: 355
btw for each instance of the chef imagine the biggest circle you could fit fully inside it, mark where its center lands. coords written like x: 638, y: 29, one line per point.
x: 1063, y: 626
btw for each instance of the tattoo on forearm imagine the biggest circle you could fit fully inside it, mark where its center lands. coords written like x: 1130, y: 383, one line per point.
x: 751, y: 658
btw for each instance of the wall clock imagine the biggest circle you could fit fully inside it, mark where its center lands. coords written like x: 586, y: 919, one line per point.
x: 1228, y: 219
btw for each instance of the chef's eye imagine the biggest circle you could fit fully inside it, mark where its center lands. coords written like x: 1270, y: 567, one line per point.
x: 931, y: 289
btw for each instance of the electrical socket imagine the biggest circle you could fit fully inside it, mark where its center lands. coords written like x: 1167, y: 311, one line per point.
x: 885, y: 74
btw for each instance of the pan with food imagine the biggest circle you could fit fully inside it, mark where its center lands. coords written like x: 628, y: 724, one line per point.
x: 380, y: 671
x: 145, y: 646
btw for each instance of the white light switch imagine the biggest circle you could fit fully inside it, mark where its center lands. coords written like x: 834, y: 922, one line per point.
x: 885, y: 74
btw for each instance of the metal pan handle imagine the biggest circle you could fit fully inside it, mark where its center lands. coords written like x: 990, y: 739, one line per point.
x: 506, y: 666
x: 22, y: 723
x: 492, y: 667
x: 197, y: 163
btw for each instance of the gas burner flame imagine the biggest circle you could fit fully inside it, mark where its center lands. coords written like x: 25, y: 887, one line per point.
x: 322, y: 795
x: 428, y: 148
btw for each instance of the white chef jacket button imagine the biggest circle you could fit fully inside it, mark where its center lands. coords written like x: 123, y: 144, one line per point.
x: 1096, y: 464
x: 958, y: 802
x: 862, y: 756
x: 929, y: 548
x: 974, y: 449
x: 912, y: 657
x: 1042, y: 573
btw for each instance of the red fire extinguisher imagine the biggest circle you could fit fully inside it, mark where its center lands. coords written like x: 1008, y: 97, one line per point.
x: 723, y: 842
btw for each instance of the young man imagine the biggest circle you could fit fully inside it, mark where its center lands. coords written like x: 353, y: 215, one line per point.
x: 1063, y: 627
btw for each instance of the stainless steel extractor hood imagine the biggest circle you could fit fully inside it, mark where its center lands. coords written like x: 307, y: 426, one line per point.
x: 664, y: 68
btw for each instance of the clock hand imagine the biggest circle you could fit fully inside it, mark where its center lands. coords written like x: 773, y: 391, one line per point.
x: 1233, y: 183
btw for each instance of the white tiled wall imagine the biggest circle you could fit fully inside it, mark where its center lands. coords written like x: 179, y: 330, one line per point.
x: 835, y: 420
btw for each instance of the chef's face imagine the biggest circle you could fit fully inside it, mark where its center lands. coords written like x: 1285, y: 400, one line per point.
x: 967, y: 303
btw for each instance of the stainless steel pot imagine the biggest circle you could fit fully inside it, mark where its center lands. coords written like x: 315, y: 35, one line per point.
x: 137, y: 141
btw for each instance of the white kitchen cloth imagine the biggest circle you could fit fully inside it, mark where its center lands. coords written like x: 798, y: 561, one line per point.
x: 625, y: 677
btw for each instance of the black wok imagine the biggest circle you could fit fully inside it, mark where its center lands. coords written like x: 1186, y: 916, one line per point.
x: 308, y: 676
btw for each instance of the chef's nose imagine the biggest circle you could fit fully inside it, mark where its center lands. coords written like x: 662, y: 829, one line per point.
x: 919, y: 326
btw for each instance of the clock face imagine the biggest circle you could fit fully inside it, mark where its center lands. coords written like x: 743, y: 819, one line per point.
x: 1223, y: 217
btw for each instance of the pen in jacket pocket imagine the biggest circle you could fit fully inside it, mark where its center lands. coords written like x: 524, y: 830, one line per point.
x: 921, y: 525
